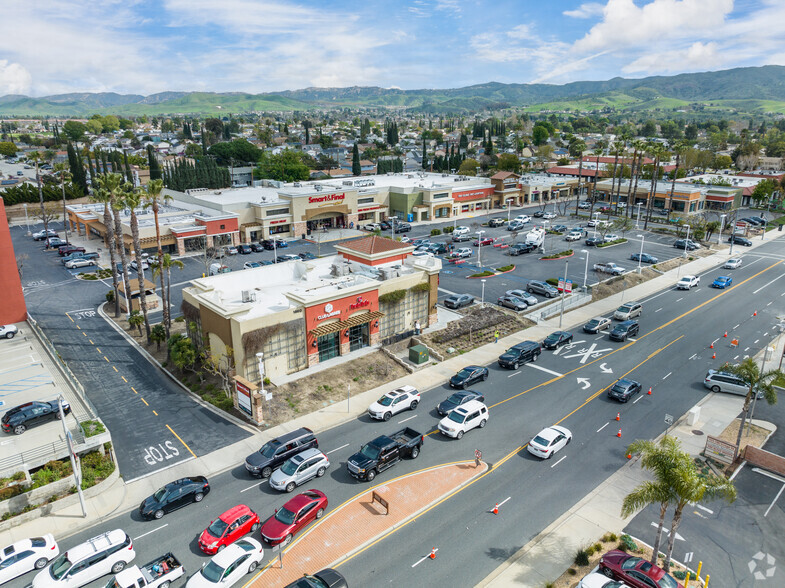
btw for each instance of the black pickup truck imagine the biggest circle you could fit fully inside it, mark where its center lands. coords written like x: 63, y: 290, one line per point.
x: 383, y: 453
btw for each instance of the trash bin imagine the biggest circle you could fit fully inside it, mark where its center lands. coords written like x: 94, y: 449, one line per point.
x: 418, y: 354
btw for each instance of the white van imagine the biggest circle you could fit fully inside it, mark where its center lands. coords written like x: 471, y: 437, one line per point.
x: 105, y: 554
x: 724, y: 382
x: 217, y: 268
x: 464, y: 418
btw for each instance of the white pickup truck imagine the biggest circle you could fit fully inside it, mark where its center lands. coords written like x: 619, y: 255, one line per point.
x: 609, y: 267
x: 159, y: 573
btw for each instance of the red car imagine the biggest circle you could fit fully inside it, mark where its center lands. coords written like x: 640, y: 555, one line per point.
x: 293, y: 516
x: 228, y: 528
x: 635, y: 571
x: 483, y: 241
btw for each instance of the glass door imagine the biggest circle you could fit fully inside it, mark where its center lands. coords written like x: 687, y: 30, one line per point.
x: 358, y: 337
x: 329, y: 346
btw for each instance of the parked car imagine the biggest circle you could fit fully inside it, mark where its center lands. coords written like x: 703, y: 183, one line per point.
x: 27, y: 555
x: 437, y: 248
x: 174, y: 495
x: 235, y: 523
x: 559, y: 228
x: 512, y: 302
x: 549, y: 215
x: 608, y: 267
x: 79, y: 262
x: 43, y: 234
x: 548, y: 441
x: 278, y: 450
x: 557, y: 339
x: 385, y: 224
x: 462, y: 252
x: 635, y: 571
x: 593, y: 241
x: 516, y: 225
x: 65, y: 250
x: 229, y: 566
x: 8, y: 331
x: 739, y: 240
x: 468, y: 376
x: 297, y: 470
x: 402, y: 228
x: 482, y: 242
x: 294, y: 516
x: 383, y: 453
x: 55, y: 242
x: 584, y: 205
x: 470, y: 415
x: 598, y: 580
x: 257, y: 247
x: 644, y: 258
x: 541, y: 288
x: 420, y: 243
x: 326, y: 578
x: 722, y: 282
x: 624, y: 389
x: 461, y: 238
x: 287, y: 257
x: 718, y: 381
x: 624, y: 330
x: 244, y: 249
x: 610, y: 238
x: 134, y: 266
x: 520, y: 248
x: 456, y: 399
x: 573, y: 236
x: 628, y: 310
x: 403, y: 398
x: 497, y: 222
x: 688, y: 282
x: 252, y: 264
x: 230, y: 250
x: 519, y: 353
x: 458, y: 301
x: 597, y: 324
x: 538, y: 214
x: 461, y: 230
x: 217, y: 268
x: 687, y: 244
x: 523, y: 218
x: 104, y: 554
x: 306, y: 256
x: 732, y: 263
x: 372, y: 227
x: 20, y: 418
x: 523, y: 295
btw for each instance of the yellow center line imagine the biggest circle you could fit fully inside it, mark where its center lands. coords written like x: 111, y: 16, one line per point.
x: 155, y: 413
x: 114, y: 368
x: 98, y: 349
x: 69, y: 316
x: 106, y: 358
x: 134, y: 389
x: 180, y: 440
x: 91, y: 341
x: 143, y: 400
x: 85, y: 334
x: 124, y: 380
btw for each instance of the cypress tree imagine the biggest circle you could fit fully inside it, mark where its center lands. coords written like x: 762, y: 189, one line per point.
x: 152, y: 160
x: 356, y: 167
x: 90, y: 167
x: 424, y: 155
x: 204, y: 142
x: 129, y: 176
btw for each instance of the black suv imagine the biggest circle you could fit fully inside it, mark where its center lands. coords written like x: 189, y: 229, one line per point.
x: 520, y: 353
x: 174, y: 495
x: 402, y: 227
x: 624, y: 389
x: 20, y: 418
x: 623, y: 330
x: 519, y: 248
x: 541, y: 288
x: 275, y: 452
x: 244, y: 249
x: 739, y: 240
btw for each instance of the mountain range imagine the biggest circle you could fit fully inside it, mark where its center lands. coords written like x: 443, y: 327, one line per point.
x: 754, y: 90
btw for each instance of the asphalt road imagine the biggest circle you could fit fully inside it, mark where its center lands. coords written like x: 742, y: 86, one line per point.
x: 154, y: 424
x: 671, y: 355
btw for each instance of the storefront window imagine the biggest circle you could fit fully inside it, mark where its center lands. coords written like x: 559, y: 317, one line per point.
x: 329, y: 346
x: 465, y: 208
x: 358, y: 337
x: 277, y: 229
x: 441, y: 212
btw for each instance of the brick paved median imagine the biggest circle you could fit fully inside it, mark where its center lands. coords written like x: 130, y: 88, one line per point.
x: 358, y: 521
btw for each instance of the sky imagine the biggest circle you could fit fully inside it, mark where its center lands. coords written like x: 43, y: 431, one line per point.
x: 148, y: 46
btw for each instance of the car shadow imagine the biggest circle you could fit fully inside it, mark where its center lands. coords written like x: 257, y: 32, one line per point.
x: 240, y: 473
x: 193, y: 546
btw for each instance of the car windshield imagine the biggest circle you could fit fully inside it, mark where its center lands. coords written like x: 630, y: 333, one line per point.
x: 668, y: 582
x: 285, y: 516
x: 593, y: 323
x: 212, y: 572
x: 290, y: 467
x: 60, y: 566
x: 619, y: 387
x: 456, y: 416
x: 268, y: 449
x: 454, y: 399
x: 552, y: 337
x: 385, y: 400
x: 624, y: 308
x: 217, y: 528
x: 464, y: 373
x: 159, y: 495
x: 630, y: 563
x: 370, y: 451
x: 540, y: 441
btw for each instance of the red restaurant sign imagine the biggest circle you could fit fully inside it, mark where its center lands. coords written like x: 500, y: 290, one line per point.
x: 328, y: 198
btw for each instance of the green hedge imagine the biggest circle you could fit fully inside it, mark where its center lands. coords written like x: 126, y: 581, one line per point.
x: 614, y: 242
x: 392, y: 297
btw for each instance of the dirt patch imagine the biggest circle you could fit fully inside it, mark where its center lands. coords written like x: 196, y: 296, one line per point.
x: 475, y: 328
x: 572, y: 575
x: 752, y: 435
x: 332, y: 385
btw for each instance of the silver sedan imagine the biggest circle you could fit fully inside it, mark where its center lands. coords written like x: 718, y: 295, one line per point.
x: 297, y: 470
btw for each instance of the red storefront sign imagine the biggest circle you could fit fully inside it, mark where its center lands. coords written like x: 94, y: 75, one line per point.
x: 328, y: 198
x: 276, y: 222
x: 473, y: 194
x: 360, y: 303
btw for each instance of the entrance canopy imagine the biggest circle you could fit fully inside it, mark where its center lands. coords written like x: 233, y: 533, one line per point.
x: 352, y: 321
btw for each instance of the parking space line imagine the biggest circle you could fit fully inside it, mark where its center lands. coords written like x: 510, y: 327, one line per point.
x: 124, y: 380
x: 336, y: 449
x: 155, y: 413
x: 83, y: 333
x: 91, y: 341
x: 666, y: 375
x: 114, y: 368
x: 106, y: 358
x: 737, y: 326
x: 180, y: 440
x: 773, y: 502
x: 602, y: 427
x: 134, y: 389
x: 98, y: 349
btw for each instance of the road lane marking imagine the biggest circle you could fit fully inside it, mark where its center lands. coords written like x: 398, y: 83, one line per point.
x: 703, y: 508
x: 737, y: 357
x: 180, y: 440
x: 155, y: 413
x: 410, y: 418
x: 83, y: 333
x: 107, y: 359
x: 503, y: 501
x: 602, y: 427
x: 736, y: 327
x: 124, y: 380
x: 767, y: 283
x: 114, y: 368
x: 680, y: 299
x: 336, y: 449
x: 755, y: 342
x: 435, y: 549
x: 91, y: 341
x: 148, y: 532
x: 666, y: 375
x: 514, y: 374
x: 693, y: 356
x: 773, y: 502
x: 251, y: 487
x: 542, y: 369
x: 770, y: 303
x: 658, y: 310
x: 98, y: 349
x: 145, y: 402
x: 637, y: 399
x: 558, y: 462
x: 746, y: 349
x: 134, y: 389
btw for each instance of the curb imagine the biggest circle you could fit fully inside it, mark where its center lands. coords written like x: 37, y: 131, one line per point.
x: 233, y: 419
x: 557, y: 258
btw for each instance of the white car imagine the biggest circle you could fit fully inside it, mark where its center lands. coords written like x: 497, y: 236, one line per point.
x: 405, y: 239
x: 687, y: 282
x: 523, y: 218
x: 105, y: 554
x: 8, y: 331
x: 573, y: 236
x: 584, y: 205
x: 230, y: 565
x: 464, y: 418
x: 732, y: 263
x: 600, y: 580
x: 459, y: 230
x: 610, y: 237
x: 41, y: 235
x: 549, y: 441
x: 549, y: 215
x: 523, y: 295
x: 26, y: 555
x: 372, y: 227
x: 79, y: 262
x: 133, y: 265
x: 462, y: 252
x: 421, y: 252
x: 398, y: 400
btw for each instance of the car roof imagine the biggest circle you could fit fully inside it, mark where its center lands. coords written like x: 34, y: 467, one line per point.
x: 405, y: 388
x: 230, y: 553
x: 525, y: 345
x: 467, y: 407
x: 299, y: 501
x: 625, y: 382
x: 234, y: 512
x: 625, y: 324
x: 548, y: 433
x: 307, y: 454
x: 286, y: 437
x: 95, y: 544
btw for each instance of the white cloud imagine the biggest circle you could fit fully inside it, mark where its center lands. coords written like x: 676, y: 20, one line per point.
x: 698, y: 56
x: 588, y: 10
x: 14, y: 79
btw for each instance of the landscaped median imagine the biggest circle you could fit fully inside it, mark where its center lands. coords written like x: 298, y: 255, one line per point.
x: 489, y: 273
x: 561, y: 255
x: 360, y: 522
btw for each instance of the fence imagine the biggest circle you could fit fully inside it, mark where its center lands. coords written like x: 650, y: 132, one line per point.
x: 573, y: 301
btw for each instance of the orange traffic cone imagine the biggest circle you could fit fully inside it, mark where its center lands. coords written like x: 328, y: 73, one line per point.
x: 629, y: 456
x: 755, y: 313
x: 649, y: 392
x: 618, y: 416
x: 711, y: 346
x: 433, y: 553
x: 619, y: 433
x: 726, y: 334
x: 496, y: 509
x: 714, y: 356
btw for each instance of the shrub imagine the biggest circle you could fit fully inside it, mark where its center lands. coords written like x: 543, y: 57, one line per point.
x: 267, y: 381
x: 565, y: 253
x: 449, y: 229
x: 627, y: 544
x: 392, y: 297
x: 506, y: 268
x: 88, y: 276
x: 92, y: 428
x: 435, y: 232
x: 484, y: 274
x: 582, y: 557
x: 110, y: 296
x: 572, y: 571
x: 180, y: 319
x: 552, y: 281
x: 423, y: 287
x: 597, y: 547
x: 683, y: 575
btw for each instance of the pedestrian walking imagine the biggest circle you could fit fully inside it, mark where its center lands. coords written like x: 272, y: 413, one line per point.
x: 416, y: 327
x: 496, y: 335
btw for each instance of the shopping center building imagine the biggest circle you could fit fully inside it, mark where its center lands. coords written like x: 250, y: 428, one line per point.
x: 297, y: 314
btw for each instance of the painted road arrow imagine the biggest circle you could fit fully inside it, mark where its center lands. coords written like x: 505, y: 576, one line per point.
x: 605, y: 369
x: 584, y: 382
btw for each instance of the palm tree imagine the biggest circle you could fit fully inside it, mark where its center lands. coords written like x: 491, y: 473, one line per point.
x: 153, y: 199
x: 658, y: 152
x: 576, y: 149
x: 102, y: 192
x: 616, y: 149
x: 62, y: 170
x: 598, y: 151
x: 757, y: 379
x: 167, y: 263
x: 639, y: 146
x: 679, y: 147
x: 133, y: 199
x: 117, y: 203
x: 36, y: 157
x: 660, y: 458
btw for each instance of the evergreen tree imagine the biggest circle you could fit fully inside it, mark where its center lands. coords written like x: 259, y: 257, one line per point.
x: 152, y: 161
x: 90, y: 167
x: 129, y: 176
x: 356, y: 167
x: 424, y: 155
x: 204, y: 142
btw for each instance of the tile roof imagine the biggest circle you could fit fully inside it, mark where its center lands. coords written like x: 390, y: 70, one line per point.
x: 374, y: 244
x: 503, y: 174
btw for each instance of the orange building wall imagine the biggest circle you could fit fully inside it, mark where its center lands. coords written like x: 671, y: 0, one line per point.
x: 13, y: 309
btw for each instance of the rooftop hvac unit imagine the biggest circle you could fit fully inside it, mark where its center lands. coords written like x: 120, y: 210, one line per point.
x: 318, y: 188
x: 248, y: 296
x: 297, y: 185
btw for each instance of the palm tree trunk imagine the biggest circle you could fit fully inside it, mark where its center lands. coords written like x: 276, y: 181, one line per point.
x: 658, y: 537
x: 629, y: 188
x: 672, y: 537
x: 110, y: 237
x: 140, y: 273
x: 118, y: 229
x: 745, y: 411
x: 650, y: 203
x: 613, y: 181
x: 65, y: 217
x: 673, y: 182
x: 164, y: 297
x: 580, y: 178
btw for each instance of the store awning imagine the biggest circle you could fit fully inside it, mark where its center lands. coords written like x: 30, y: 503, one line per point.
x: 352, y: 321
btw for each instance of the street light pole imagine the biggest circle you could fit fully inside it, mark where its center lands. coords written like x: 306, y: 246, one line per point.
x: 638, y: 218
x: 586, y: 269
x: 482, y: 300
x: 509, y: 207
x: 640, y: 257
x: 563, y: 294
x: 479, y: 247
x: 71, y: 454
x: 722, y: 224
